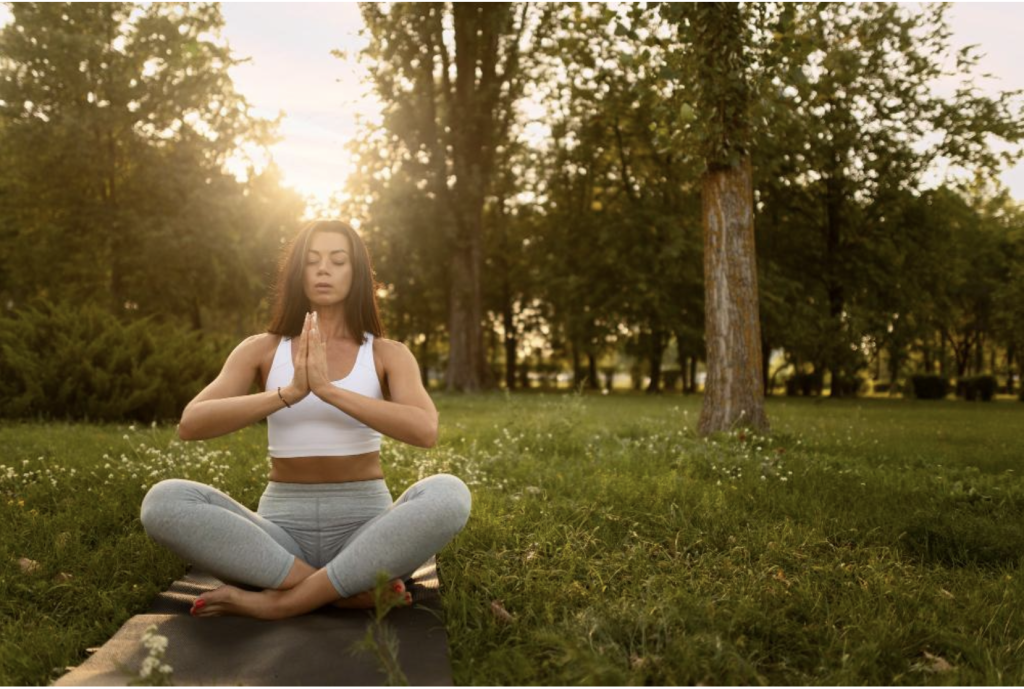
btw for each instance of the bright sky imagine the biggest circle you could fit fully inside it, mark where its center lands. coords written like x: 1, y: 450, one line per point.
x: 292, y: 70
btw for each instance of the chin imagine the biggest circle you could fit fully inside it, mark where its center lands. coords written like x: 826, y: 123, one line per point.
x: 325, y: 300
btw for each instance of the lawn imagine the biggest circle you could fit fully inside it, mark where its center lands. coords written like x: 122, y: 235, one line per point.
x: 864, y: 542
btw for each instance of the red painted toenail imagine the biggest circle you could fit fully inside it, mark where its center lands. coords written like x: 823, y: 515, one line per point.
x: 200, y: 603
x: 408, y: 597
x: 397, y: 587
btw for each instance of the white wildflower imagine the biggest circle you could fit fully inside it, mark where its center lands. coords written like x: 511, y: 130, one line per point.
x: 148, y: 665
x: 155, y: 643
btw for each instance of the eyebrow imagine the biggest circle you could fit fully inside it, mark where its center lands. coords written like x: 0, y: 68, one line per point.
x: 336, y: 251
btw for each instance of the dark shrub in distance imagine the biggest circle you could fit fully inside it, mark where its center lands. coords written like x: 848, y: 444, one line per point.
x: 981, y: 388
x: 929, y: 387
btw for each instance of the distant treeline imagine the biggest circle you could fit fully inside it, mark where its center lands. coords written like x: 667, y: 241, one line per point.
x: 556, y: 196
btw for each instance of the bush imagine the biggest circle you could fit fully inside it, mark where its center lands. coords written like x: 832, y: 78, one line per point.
x: 80, y: 362
x: 978, y: 388
x: 805, y: 384
x: 848, y: 386
x: 929, y: 387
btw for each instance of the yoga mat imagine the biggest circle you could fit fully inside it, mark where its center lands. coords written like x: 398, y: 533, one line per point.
x: 308, y: 650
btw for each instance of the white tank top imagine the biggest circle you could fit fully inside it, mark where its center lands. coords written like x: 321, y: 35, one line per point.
x: 314, y: 428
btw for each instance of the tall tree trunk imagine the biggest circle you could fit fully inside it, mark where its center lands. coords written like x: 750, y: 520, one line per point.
x: 593, y: 382
x: 1010, y: 355
x: 734, y: 393
x: 657, y: 352
x: 510, y: 346
x: 895, y: 360
x: 478, y: 29
x: 834, y: 214
x: 693, y: 375
x: 577, y: 365
x: 466, y: 355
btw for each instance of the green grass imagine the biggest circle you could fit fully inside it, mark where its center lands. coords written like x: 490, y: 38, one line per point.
x: 865, y: 542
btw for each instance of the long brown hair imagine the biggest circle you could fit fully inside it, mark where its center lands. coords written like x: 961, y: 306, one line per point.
x: 289, y: 297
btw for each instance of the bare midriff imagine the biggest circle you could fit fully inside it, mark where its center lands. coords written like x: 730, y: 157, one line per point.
x: 364, y: 467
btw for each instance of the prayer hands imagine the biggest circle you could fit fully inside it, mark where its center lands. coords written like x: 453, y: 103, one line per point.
x: 316, y: 361
x: 299, y: 387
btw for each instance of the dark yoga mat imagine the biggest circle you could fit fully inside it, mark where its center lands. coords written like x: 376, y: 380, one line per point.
x: 312, y: 649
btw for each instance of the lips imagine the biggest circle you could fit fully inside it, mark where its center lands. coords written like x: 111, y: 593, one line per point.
x: 320, y: 285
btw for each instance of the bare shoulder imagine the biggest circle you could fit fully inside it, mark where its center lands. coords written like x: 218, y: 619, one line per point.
x: 390, y: 352
x: 257, y: 345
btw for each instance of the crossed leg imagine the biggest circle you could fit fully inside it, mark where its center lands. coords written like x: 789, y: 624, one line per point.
x: 220, y: 535
x: 425, y: 518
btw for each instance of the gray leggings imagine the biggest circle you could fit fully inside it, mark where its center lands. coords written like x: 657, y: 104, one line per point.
x: 352, y: 529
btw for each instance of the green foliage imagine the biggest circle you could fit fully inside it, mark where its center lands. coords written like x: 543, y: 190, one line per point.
x: 119, y: 120
x: 929, y: 387
x: 977, y: 388
x: 845, y: 101
x: 450, y: 76
x: 719, y: 35
x: 65, y: 361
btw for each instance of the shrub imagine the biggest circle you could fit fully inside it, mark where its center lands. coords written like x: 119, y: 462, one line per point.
x: 805, y: 384
x: 81, y: 362
x: 981, y: 388
x: 929, y: 387
x: 848, y: 386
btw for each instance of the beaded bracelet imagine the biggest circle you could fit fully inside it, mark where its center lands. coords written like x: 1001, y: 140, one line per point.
x: 282, y: 398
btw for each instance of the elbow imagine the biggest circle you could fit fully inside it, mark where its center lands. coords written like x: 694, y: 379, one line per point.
x: 186, y: 427
x: 185, y: 431
x: 429, y: 439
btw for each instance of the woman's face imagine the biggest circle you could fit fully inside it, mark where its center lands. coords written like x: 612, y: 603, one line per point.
x: 327, y: 277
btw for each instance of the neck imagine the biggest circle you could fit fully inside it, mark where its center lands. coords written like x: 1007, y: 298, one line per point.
x: 332, y: 322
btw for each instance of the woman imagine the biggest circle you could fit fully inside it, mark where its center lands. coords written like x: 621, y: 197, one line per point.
x: 325, y: 525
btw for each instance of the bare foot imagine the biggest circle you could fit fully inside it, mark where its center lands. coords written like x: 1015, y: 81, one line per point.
x: 364, y: 600
x: 229, y: 600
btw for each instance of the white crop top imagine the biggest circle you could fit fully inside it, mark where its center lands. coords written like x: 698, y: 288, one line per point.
x: 314, y: 428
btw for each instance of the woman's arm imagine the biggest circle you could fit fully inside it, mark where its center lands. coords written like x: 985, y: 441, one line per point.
x: 223, y: 406
x: 411, y: 415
